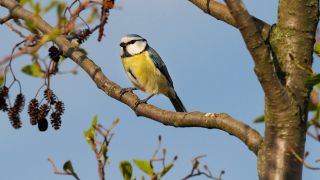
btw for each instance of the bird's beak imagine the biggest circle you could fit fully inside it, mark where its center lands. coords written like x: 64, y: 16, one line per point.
x: 122, y: 44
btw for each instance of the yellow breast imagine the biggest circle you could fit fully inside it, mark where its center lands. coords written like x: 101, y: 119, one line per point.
x: 144, y: 74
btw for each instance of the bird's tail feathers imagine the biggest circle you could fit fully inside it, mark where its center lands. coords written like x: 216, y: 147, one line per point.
x: 177, y: 103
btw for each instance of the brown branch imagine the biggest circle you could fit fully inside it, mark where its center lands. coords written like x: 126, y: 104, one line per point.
x: 193, y: 119
x: 14, y: 55
x: 278, y: 100
x: 101, y: 163
x: 5, y: 19
x: 260, y: 52
x: 27, y: 49
x: 98, y: 154
x: 195, y: 171
x: 74, y: 15
x: 15, y: 30
x: 221, y: 12
x: 216, y: 9
x: 105, y: 12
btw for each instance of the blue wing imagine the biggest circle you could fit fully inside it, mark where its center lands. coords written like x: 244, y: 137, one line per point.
x: 160, y: 64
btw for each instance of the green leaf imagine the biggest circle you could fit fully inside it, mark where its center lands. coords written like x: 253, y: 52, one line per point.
x: 313, y: 80
x: 33, y: 70
x: 31, y: 27
x: 60, y: 9
x: 166, y: 169
x: 314, y: 120
x: 317, y: 49
x: 126, y: 169
x: 1, y: 78
x: 50, y: 6
x: 312, y: 107
x: 259, y: 119
x: 32, y: 4
x: 67, y: 167
x: 89, y: 134
x: 144, y: 166
x: 83, y: 51
x: 37, y: 8
x: 93, y: 15
x: 104, y: 150
x: 23, y: 2
x: 94, y: 123
x: 89, y: 137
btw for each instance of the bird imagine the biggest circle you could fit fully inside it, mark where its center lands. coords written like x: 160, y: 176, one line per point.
x: 146, y: 70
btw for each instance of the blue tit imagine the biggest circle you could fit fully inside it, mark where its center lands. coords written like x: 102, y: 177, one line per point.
x: 146, y: 70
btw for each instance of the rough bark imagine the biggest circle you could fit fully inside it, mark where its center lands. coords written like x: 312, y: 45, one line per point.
x: 292, y: 40
x: 286, y: 95
x: 282, y: 78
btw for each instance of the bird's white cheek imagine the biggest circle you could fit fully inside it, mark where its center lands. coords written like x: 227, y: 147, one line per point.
x: 131, y: 49
x: 136, y: 48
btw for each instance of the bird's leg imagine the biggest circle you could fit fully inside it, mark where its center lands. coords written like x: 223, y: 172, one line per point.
x: 147, y: 99
x: 125, y: 90
x: 143, y: 101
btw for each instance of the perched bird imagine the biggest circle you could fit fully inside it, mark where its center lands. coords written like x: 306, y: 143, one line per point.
x: 146, y: 70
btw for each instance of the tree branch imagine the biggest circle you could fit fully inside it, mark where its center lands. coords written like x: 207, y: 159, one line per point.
x: 5, y: 19
x: 216, y: 9
x: 55, y: 170
x: 221, y: 12
x: 193, y: 119
x: 261, y: 54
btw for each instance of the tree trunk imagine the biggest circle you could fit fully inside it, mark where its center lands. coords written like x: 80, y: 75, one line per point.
x: 291, y: 40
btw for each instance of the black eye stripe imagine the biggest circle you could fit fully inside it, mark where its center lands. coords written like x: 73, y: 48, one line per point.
x: 131, y: 42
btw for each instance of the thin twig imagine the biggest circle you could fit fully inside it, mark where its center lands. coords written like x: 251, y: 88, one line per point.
x: 14, y: 55
x: 305, y: 164
x: 55, y: 170
x: 15, y: 30
x: 312, y: 136
x: 157, y: 149
x: 29, y: 41
x: 195, y: 171
x: 69, y: 27
x: 5, y: 19
x: 105, y: 11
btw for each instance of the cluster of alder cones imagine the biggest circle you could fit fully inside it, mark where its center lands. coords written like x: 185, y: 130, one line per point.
x: 38, y: 113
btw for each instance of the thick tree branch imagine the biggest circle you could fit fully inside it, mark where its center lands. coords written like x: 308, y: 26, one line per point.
x: 216, y: 9
x: 295, y: 29
x: 193, y: 119
x: 261, y: 54
x: 221, y: 12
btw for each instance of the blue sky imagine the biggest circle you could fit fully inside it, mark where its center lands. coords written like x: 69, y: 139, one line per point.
x: 212, y: 72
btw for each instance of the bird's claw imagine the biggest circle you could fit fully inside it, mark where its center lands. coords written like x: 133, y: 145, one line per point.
x: 125, y: 90
x: 143, y: 101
